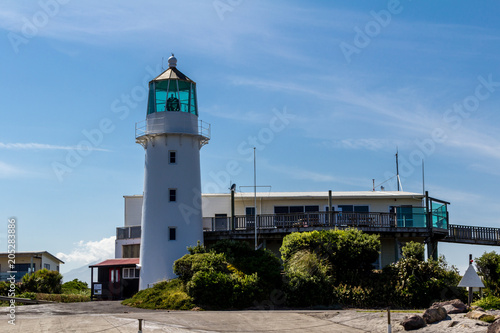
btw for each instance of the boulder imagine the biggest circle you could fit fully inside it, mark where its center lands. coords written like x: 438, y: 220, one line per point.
x: 434, y: 314
x: 453, y: 306
x: 413, y: 323
x: 495, y: 327
x: 475, y: 314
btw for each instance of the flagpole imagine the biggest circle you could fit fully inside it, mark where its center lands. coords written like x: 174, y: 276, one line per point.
x: 255, y: 195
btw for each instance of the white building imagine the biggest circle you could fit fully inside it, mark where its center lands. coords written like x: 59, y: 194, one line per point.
x: 397, y: 217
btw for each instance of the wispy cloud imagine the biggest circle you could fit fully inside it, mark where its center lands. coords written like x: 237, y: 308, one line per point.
x: 10, y: 171
x: 43, y: 146
x: 91, y: 251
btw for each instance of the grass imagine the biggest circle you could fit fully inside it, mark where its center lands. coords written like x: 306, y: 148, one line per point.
x: 164, y: 295
x: 488, y: 318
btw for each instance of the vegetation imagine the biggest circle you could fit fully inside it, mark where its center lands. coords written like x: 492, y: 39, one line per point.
x: 489, y: 302
x: 320, y: 269
x: 42, y: 281
x: 230, y: 275
x: 75, y: 287
x: 164, y: 295
x: 488, y: 266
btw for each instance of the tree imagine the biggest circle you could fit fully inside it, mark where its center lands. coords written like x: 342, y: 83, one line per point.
x: 488, y: 266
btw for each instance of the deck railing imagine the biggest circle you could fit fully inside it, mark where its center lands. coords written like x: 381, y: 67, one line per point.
x: 460, y: 233
x: 317, y: 219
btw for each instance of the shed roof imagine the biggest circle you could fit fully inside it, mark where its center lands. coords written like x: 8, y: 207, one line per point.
x: 117, y: 262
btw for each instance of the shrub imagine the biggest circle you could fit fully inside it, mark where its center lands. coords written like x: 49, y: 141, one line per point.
x: 351, y: 253
x: 42, y: 281
x: 189, y: 264
x: 489, y: 303
x: 74, y: 286
x: 414, y: 250
x: 419, y: 283
x: 352, y: 296
x: 250, y: 261
x: 308, y: 280
x: 62, y: 298
x: 164, y: 295
x: 488, y: 266
x: 211, y: 289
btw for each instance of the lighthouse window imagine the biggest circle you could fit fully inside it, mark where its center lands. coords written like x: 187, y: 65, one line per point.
x: 172, y: 157
x: 172, y: 195
x: 172, y: 233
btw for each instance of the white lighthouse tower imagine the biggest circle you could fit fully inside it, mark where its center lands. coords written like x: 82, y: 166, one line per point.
x: 172, y: 137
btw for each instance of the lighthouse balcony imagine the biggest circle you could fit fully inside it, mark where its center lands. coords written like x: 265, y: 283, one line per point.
x: 172, y: 123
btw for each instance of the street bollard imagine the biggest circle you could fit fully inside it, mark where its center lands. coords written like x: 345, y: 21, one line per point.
x: 140, y: 325
x: 389, y: 329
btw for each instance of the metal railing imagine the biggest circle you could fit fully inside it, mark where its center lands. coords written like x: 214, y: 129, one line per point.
x: 141, y: 129
x: 464, y: 233
x: 315, y: 219
x: 128, y: 232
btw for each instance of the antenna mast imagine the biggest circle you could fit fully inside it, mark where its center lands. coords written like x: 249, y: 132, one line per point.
x: 397, y: 168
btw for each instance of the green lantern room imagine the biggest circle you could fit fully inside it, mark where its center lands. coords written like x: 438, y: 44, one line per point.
x: 172, y: 91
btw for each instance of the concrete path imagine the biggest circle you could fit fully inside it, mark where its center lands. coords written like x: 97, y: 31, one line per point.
x: 113, y: 317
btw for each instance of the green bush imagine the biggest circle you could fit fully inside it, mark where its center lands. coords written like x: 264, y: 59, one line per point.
x: 164, y: 295
x: 414, y: 250
x: 351, y: 253
x: 489, y: 303
x: 211, y: 289
x: 74, y: 287
x: 189, y: 264
x: 42, y: 281
x: 488, y: 266
x: 417, y: 284
x: 352, y: 296
x: 62, y: 298
x: 250, y: 261
x: 308, y: 280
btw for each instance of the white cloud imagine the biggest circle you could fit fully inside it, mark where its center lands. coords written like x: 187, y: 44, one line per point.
x: 91, y: 251
x: 43, y: 146
x: 10, y: 171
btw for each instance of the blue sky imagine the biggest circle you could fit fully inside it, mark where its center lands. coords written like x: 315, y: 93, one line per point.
x: 326, y: 91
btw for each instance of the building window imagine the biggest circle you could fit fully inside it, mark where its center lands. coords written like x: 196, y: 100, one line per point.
x: 130, y: 273
x: 114, y: 275
x: 172, y: 233
x: 131, y: 251
x: 172, y: 157
x: 47, y: 266
x: 172, y: 195
x: 250, y: 213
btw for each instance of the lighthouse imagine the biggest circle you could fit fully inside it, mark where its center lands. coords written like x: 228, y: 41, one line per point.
x: 172, y: 136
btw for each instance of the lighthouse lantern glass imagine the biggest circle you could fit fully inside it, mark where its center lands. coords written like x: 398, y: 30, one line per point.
x: 172, y: 96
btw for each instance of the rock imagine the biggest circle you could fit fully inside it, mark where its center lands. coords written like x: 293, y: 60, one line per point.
x: 477, y: 308
x: 413, y: 323
x: 494, y: 328
x: 453, y: 306
x: 434, y: 314
x: 453, y: 323
x: 476, y: 315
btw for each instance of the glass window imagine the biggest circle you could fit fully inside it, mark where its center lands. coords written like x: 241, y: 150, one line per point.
x: 135, y: 232
x: 281, y: 210
x: 172, y: 233
x: 296, y: 209
x: 47, y: 266
x: 311, y: 208
x: 131, y: 251
x: 172, y: 195
x: 130, y: 273
x: 171, y: 157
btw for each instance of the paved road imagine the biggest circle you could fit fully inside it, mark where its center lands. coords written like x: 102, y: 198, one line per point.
x: 114, y: 317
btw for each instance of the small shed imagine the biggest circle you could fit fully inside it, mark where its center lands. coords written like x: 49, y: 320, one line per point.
x: 116, y: 279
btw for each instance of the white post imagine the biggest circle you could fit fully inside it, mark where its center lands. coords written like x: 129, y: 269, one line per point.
x: 255, y: 196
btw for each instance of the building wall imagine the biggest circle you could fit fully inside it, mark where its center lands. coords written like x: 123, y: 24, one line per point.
x: 133, y: 210
x: 120, y: 242
x: 54, y: 265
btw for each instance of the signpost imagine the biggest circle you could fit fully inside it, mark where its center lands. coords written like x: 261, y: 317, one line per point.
x: 471, y: 280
